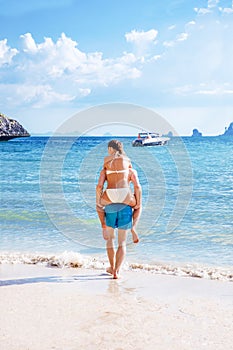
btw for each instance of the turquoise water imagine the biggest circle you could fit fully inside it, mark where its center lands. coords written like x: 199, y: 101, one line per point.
x: 48, y: 198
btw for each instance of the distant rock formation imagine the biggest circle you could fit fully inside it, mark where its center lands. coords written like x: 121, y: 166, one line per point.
x: 10, y: 129
x: 196, y: 133
x: 169, y: 134
x: 229, y: 130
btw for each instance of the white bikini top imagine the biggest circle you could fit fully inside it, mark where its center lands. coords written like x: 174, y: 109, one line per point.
x: 116, y: 171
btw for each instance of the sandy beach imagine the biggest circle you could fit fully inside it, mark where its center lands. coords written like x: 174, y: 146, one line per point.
x: 51, y: 308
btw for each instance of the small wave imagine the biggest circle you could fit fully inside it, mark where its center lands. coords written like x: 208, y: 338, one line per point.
x: 65, y: 259
x: 213, y: 273
x: 76, y: 260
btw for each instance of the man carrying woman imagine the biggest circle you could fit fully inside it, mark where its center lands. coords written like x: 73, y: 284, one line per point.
x: 117, y: 206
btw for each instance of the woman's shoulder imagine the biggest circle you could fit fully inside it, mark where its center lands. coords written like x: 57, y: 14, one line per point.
x: 107, y: 159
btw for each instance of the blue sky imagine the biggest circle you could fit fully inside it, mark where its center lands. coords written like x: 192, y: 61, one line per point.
x: 58, y: 57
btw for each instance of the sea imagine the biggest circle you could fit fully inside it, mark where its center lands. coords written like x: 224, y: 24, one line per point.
x: 48, y: 214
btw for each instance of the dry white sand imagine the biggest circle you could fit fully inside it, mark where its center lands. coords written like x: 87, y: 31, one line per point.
x: 72, y: 309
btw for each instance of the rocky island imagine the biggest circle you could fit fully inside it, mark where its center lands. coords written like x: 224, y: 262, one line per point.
x: 196, y: 133
x: 10, y: 129
x: 229, y: 130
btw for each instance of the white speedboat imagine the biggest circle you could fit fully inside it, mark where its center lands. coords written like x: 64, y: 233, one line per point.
x: 149, y: 139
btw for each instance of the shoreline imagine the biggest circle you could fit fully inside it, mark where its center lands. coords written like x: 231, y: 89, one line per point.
x: 73, y: 259
x: 67, y: 308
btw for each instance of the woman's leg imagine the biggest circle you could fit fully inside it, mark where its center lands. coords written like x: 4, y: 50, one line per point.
x: 121, y: 251
x: 136, y: 213
x: 136, y: 216
x: 104, y: 200
x: 101, y: 215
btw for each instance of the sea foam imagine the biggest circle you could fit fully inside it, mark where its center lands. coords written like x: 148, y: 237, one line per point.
x: 77, y: 260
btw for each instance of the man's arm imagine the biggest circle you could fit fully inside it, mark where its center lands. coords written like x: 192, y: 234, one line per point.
x: 99, y: 187
x: 99, y: 191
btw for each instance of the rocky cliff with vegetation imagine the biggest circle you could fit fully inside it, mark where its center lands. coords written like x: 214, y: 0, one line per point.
x: 10, y: 129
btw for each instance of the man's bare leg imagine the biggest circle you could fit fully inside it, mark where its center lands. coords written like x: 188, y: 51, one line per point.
x: 121, y: 252
x: 110, y: 249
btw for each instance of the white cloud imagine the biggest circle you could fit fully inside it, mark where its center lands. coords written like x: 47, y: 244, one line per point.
x: 154, y: 58
x: 205, y: 89
x: 169, y: 43
x: 184, y: 90
x: 104, y: 72
x: 182, y: 37
x: 37, y: 96
x: 199, y: 61
x: 63, y: 60
x: 29, y: 44
x: 6, y: 53
x: 128, y: 58
x: 54, y: 58
x: 202, y: 11
x: 172, y: 27
x: 211, y: 6
x: 212, y: 3
x: 142, y: 41
x: 59, y: 71
x: 191, y: 23
x: 214, y: 6
x: 227, y: 10
x: 84, y: 92
x: 194, y: 61
x: 218, y: 91
x: 179, y: 37
x: 139, y: 37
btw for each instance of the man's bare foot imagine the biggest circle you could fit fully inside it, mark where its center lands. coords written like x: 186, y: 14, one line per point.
x: 115, y: 275
x: 134, y: 235
x: 110, y: 270
x: 105, y: 233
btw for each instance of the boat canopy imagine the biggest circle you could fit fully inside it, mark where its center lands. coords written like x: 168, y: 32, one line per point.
x: 147, y: 134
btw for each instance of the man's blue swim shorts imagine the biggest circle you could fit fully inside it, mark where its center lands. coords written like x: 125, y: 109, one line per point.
x: 118, y: 215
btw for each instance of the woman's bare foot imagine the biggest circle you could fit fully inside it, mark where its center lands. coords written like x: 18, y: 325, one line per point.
x: 105, y: 233
x: 134, y: 235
